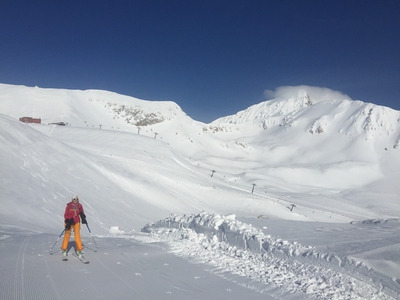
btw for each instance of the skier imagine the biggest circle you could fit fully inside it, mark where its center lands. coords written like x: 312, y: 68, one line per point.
x: 73, y: 213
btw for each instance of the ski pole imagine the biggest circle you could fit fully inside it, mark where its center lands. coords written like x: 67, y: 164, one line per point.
x: 87, y: 225
x: 51, y: 249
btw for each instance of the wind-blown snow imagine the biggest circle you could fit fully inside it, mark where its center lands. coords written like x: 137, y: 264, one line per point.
x: 293, y: 198
x: 316, y: 93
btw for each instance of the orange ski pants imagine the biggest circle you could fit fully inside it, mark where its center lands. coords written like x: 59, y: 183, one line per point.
x: 77, y: 237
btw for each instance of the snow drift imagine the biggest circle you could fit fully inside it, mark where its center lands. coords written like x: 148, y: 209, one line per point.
x: 233, y: 246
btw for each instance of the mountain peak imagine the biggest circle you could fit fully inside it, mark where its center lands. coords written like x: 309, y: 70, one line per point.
x: 308, y: 110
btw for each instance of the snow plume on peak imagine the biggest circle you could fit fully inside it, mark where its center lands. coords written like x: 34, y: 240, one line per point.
x: 315, y: 94
x: 285, y: 102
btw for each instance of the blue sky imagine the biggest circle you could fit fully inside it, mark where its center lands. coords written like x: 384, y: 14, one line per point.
x: 213, y: 58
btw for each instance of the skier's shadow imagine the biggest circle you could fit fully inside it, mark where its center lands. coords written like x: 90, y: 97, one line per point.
x: 71, y: 245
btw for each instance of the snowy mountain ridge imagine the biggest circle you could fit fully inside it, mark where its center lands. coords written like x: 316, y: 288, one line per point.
x: 314, y: 110
x: 89, y: 108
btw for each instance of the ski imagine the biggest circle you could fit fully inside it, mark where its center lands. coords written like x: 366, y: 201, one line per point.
x: 82, y: 259
x: 64, y: 255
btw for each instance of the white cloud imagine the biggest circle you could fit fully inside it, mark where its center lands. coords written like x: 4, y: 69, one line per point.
x: 315, y: 93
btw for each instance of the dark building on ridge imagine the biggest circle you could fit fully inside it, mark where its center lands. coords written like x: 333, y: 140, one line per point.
x: 30, y: 120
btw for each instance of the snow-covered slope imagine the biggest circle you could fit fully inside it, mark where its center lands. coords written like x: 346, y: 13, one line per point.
x: 43, y: 166
x: 320, y: 165
x: 315, y: 142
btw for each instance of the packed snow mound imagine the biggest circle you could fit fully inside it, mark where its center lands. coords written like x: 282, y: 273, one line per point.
x: 233, y: 246
x: 115, y: 230
x: 215, y: 227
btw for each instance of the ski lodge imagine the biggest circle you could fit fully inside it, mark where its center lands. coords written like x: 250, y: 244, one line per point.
x: 30, y: 120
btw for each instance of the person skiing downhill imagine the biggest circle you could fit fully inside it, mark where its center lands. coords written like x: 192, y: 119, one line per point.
x: 73, y: 214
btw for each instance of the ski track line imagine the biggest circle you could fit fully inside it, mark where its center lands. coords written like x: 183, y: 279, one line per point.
x: 35, y: 280
x: 123, y: 281
x: 68, y: 264
x: 87, y: 279
x: 19, y: 287
x: 52, y: 283
x: 10, y: 280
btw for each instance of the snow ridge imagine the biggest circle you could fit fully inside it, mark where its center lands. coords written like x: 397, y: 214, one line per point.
x: 241, y: 249
x: 85, y: 108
